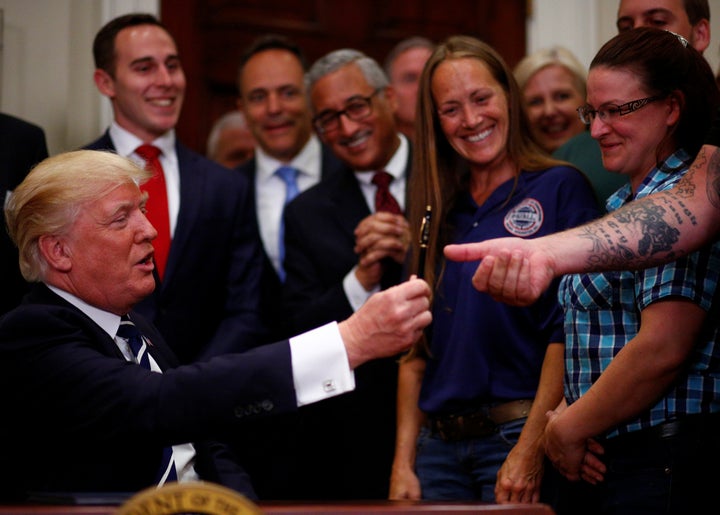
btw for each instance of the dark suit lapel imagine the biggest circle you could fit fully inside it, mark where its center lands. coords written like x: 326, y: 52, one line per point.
x: 349, y: 204
x: 104, y: 142
x: 41, y: 294
x: 408, y: 175
x: 192, y: 193
x: 330, y: 164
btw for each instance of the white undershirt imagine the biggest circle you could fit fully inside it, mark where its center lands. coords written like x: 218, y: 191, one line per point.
x: 270, y: 190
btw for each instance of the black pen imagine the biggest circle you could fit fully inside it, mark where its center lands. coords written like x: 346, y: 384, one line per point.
x: 424, y: 240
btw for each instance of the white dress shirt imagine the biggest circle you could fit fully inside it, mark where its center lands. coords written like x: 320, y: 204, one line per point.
x: 270, y: 190
x: 125, y: 145
x: 354, y: 291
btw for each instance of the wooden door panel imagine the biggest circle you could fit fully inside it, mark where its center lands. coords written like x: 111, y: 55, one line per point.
x: 211, y: 36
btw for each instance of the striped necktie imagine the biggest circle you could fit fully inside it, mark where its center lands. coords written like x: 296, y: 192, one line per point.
x: 129, y: 331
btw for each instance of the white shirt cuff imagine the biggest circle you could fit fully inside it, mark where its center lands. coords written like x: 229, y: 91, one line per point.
x: 355, y: 293
x: 320, y: 365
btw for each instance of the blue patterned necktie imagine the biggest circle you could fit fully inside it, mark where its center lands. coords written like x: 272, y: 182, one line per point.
x: 289, y: 175
x: 131, y: 333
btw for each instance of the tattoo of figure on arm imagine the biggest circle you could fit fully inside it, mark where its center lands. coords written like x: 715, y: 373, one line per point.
x: 713, y: 179
x: 646, y: 231
x: 642, y: 221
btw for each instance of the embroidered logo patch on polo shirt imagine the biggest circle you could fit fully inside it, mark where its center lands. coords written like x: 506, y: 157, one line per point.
x: 525, y: 219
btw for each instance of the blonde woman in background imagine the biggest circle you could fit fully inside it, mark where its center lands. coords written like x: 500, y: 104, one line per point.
x: 552, y: 81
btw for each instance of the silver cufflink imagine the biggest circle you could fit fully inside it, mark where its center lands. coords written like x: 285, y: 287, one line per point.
x: 329, y: 385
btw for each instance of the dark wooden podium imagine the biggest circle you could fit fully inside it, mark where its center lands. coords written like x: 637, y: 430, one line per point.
x: 340, y: 508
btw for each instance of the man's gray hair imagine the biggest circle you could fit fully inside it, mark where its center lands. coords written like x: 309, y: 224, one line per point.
x: 371, y: 70
x: 230, y: 119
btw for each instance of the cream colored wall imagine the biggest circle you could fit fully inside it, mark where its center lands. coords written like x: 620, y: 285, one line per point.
x: 584, y: 25
x: 47, y: 67
x: 46, y: 74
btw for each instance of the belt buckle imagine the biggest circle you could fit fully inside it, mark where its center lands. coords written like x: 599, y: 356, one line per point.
x: 446, y: 432
x: 480, y: 425
x: 463, y: 427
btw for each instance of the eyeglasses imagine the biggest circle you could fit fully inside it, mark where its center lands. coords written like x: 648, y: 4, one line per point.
x: 358, y: 109
x: 610, y: 112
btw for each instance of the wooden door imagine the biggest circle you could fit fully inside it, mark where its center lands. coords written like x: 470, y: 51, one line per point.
x: 211, y: 36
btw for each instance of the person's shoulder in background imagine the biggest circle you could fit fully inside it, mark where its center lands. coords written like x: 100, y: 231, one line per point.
x: 584, y: 152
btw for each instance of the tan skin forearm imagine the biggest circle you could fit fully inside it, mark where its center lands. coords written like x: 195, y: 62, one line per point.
x: 548, y: 396
x: 409, y: 421
x: 409, y: 416
x: 520, y: 476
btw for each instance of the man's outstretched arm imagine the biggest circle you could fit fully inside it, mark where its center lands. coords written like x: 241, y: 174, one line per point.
x: 656, y: 229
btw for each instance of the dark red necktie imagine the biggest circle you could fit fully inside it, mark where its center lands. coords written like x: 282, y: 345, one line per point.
x: 157, y: 204
x: 384, y: 201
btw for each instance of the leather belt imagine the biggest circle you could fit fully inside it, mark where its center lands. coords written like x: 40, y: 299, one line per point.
x: 478, y: 424
x: 692, y: 426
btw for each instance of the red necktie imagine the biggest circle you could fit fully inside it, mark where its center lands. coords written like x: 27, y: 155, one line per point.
x: 157, y: 204
x: 384, y: 201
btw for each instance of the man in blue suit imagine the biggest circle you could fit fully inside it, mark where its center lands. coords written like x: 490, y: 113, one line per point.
x: 273, y: 98
x: 89, y: 407
x: 275, y: 103
x: 208, y: 295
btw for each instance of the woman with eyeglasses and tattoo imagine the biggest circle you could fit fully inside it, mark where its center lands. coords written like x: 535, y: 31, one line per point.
x: 642, y: 355
x: 471, y: 401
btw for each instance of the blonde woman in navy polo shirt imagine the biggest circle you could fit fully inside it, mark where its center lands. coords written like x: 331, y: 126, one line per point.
x: 465, y: 397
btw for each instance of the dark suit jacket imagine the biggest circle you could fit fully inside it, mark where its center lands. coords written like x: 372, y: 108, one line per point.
x: 22, y: 146
x: 319, y: 241
x: 78, y: 417
x: 208, y: 302
x: 270, y: 287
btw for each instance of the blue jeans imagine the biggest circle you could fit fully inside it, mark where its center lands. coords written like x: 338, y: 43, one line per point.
x: 463, y: 470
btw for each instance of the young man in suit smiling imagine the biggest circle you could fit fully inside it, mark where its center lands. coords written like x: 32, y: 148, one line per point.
x: 210, y: 286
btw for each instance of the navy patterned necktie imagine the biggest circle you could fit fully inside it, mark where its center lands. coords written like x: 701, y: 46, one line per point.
x: 131, y: 333
x: 289, y: 175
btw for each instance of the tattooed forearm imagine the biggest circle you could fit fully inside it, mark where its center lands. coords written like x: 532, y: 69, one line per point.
x: 713, y: 178
x: 663, y: 226
x: 685, y: 188
x: 636, y: 236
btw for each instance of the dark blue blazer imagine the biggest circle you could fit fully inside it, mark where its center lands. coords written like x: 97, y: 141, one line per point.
x: 319, y: 242
x: 22, y: 146
x: 208, y: 301
x: 78, y: 417
x: 274, y: 316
